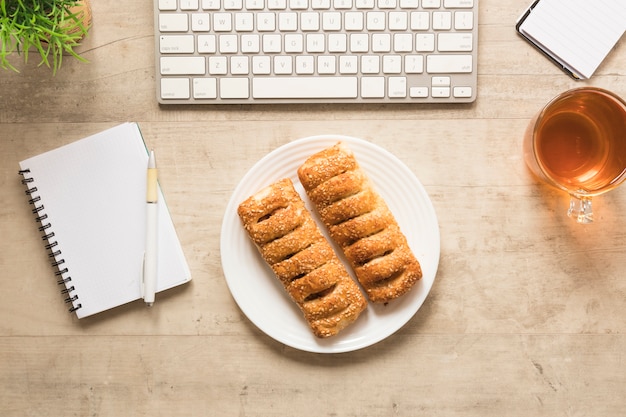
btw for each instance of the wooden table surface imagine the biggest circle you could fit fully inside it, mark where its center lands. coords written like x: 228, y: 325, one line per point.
x: 527, y: 315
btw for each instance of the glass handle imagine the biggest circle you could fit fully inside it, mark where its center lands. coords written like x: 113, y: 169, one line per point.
x: 580, y: 209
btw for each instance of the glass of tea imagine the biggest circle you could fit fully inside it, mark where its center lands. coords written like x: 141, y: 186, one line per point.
x: 577, y: 143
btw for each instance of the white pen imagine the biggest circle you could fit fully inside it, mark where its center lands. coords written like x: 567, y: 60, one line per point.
x: 150, y: 257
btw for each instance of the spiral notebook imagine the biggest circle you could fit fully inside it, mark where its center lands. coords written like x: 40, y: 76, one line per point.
x: 575, y: 34
x: 89, y: 200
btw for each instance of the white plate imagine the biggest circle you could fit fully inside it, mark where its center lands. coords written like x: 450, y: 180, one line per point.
x: 261, y: 296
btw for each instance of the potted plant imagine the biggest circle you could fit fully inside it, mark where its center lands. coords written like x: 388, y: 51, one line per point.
x: 51, y: 28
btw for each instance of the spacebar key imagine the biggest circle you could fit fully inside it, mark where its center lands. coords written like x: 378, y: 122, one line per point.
x: 304, y: 87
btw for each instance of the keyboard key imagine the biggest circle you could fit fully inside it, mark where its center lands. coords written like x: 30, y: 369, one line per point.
x: 177, y: 44
x: 440, y: 92
x: 239, y: 65
x: 315, y: 42
x: 283, y: 64
x: 408, y: 4
x: 348, y: 64
x: 228, y: 44
x: 454, y: 64
x: 250, y: 44
x: 222, y: 22
x: 463, y: 92
x: 418, y: 92
x: 420, y: 20
x: 298, y: 4
x: 376, y: 20
x: 204, y: 88
x: 364, y: 4
x: 381, y: 42
x: 211, y: 4
x: 207, y: 44
x: 234, y: 88
x: 440, y: 82
x: 354, y: 21
x: 402, y: 42
x: 331, y: 21
x: 244, y: 22
x: 359, y: 42
x: 414, y: 64
x: 398, y: 20
x: 255, y: 4
x: 294, y: 43
x: 425, y: 42
x: 454, y: 42
x: 261, y: 65
x: 167, y: 4
x: 397, y: 87
x: 287, y: 22
x: 189, y: 4
x: 337, y: 42
x: 276, y: 4
x: 304, y: 87
x: 392, y: 64
x: 266, y: 22
x: 373, y: 87
x: 192, y: 65
x: 218, y: 65
x: 272, y: 43
x: 442, y: 20
x: 170, y: 22
x: 342, y: 4
x: 387, y: 4
x: 200, y: 22
x: 175, y: 88
x: 305, y: 64
x: 309, y: 21
x: 370, y: 64
x: 458, y: 4
x: 464, y: 20
x: 326, y: 64
x: 320, y: 4
x: 233, y: 4
x: 431, y: 4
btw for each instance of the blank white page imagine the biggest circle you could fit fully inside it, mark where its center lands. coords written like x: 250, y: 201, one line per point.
x: 577, y: 33
x: 94, y: 195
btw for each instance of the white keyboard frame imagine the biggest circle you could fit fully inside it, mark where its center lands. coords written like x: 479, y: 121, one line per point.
x: 465, y: 84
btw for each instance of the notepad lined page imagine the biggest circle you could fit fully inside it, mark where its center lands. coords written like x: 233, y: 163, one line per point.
x: 577, y: 33
x: 93, y: 192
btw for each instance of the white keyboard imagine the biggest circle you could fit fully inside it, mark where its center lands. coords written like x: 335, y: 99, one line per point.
x: 325, y: 51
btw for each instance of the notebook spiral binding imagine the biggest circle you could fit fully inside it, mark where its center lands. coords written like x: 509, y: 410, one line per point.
x: 52, y: 246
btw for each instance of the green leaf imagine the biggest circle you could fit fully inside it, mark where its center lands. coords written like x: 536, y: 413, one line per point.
x: 46, y: 27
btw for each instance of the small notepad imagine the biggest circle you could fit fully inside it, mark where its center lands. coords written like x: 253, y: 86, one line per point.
x: 90, y: 200
x: 576, y: 34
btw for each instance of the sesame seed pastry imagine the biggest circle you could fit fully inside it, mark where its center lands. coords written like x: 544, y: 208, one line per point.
x: 360, y: 223
x: 291, y: 243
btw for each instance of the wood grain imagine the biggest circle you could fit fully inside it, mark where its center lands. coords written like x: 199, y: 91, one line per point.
x: 526, y: 316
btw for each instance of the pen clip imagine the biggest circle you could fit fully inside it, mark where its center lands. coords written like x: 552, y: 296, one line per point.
x: 143, y: 276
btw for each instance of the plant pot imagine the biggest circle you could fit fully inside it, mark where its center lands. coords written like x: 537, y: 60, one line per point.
x: 83, y: 12
x: 43, y: 28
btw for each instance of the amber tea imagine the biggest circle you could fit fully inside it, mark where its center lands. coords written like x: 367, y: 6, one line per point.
x: 578, y: 143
